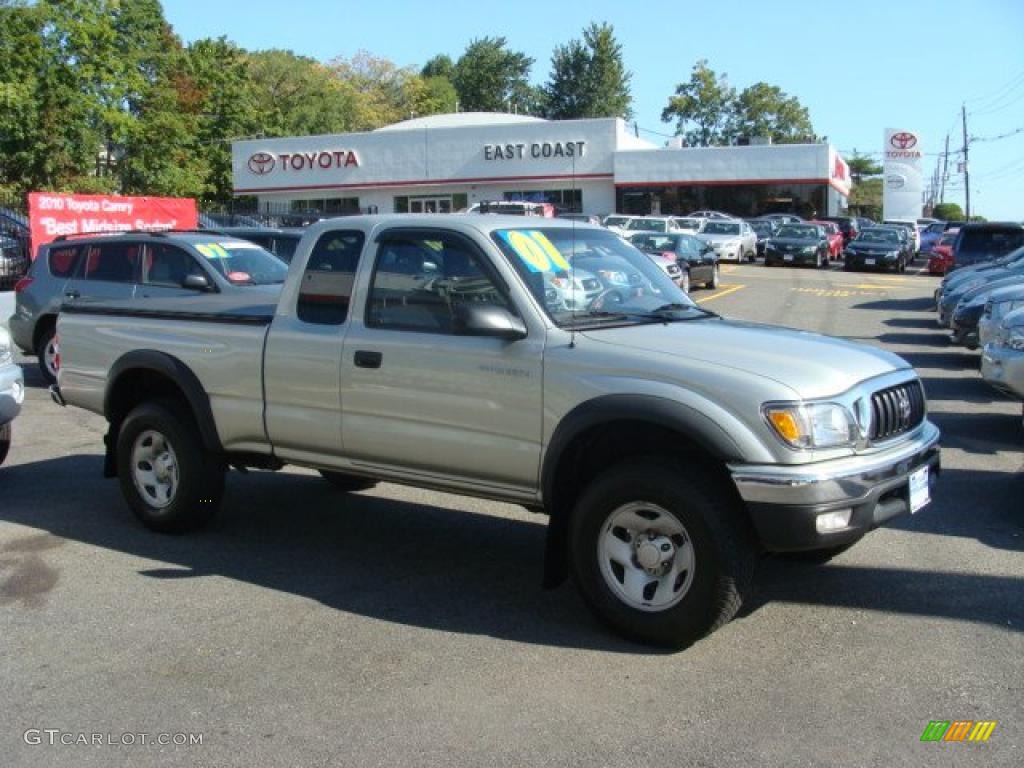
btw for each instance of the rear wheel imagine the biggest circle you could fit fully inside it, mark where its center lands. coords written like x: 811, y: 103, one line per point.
x: 168, y: 477
x: 46, y: 352
x: 347, y: 483
x: 660, y: 552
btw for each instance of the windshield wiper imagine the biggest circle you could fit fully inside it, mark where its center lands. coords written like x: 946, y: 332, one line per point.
x: 665, y: 309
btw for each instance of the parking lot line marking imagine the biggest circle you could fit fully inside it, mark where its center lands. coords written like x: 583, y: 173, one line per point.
x: 720, y: 294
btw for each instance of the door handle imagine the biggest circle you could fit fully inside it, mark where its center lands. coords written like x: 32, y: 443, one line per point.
x: 72, y: 295
x: 366, y: 359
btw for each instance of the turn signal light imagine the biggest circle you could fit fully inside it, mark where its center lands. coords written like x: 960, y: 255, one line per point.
x: 785, y: 423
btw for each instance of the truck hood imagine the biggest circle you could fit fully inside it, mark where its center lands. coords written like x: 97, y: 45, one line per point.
x: 812, y: 365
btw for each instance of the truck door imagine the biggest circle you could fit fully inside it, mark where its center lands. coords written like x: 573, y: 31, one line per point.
x: 421, y: 398
x: 303, y: 352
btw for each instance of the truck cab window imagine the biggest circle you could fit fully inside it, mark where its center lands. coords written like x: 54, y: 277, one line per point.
x: 326, y: 288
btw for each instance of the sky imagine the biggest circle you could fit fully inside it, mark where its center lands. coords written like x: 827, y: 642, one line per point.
x: 858, y: 68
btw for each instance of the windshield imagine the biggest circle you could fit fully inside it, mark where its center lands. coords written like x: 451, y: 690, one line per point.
x: 648, y: 225
x: 797, y: 232
x: 878, y: 236
x: 243, y: 263
x: 721, y: 228
x: 690, y: 224
x: 590, y: 278
x: 761, y: 227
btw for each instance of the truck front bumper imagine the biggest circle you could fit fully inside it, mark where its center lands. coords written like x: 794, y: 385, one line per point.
x: 785, y: 501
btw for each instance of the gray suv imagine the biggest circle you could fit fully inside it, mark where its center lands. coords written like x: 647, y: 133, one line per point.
x: 133, y: 265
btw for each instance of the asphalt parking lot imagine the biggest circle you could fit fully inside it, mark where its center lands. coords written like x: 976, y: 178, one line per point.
x: 401, y: 627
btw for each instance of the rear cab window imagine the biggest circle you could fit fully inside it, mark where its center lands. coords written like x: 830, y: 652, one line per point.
x: 326, y: 288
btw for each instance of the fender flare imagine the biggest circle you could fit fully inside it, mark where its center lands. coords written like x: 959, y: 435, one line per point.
x: 658, y: 411
x: 177, y: 372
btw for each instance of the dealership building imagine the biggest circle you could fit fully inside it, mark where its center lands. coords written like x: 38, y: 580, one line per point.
x: 447, y: 163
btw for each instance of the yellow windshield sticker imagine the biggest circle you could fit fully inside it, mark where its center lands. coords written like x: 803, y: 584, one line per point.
x: 212, y: 251
x: 535, y: 250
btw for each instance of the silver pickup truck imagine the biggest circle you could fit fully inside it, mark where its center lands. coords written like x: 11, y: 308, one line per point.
x: 668, y: 446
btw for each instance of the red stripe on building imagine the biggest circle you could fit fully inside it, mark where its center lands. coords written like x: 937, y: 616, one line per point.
x: 423, y: 183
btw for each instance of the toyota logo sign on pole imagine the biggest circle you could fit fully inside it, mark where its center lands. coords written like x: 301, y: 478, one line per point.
x: 904, y: 183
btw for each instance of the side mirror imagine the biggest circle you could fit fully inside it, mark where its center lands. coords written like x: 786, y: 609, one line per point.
x: 196, y: 282
x: 473, y: 319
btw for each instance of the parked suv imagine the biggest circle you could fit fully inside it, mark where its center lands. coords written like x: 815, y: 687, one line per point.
x: 12, y: 392
x: 136, y: 265
x: 986, y: 242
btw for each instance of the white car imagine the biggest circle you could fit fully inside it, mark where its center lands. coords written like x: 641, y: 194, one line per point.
x: 709, y: 215
x: 627, y: 225
x: 732, y: 239
x: 911, y: 226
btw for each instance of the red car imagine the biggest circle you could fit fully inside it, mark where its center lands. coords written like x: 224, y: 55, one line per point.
x: 942, y: 253
x: 834, y: 235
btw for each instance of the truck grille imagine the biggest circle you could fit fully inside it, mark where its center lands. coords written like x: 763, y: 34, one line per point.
x: 896, y: 410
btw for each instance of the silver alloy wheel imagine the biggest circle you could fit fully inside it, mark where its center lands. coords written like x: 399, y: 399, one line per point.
x: 646, y: 556
x: 155, y: 469
x: 685, y: 282
x: 50, y: 356
x: 715, y: 277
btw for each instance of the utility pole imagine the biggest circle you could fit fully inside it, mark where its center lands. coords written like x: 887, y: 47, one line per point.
x: 967, y: 169
x: 945, y: 171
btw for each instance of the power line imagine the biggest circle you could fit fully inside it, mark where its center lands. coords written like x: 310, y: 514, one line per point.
x: 1000, y: 136
x: 997, y: 106
x: 1000, y: 92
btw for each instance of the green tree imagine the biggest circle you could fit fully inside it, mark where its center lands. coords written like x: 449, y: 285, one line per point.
x: 862, y: 166
x: 866, y: 198
x: 439, y: 66
x: 380, y: 91
x: 490, y: 78
x: 702, y: 107
x: 948, y: 212
x: 297, y: 96
x: 588, y: 78
x: 766, y: 110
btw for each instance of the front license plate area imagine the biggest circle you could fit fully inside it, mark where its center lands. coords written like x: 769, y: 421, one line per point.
x: 919, y: 491
x: 787, y: 257
x: 869, y: 262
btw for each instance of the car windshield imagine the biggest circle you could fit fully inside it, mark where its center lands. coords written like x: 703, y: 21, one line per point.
x: 648, y: 225
x: 761, y: 227
x: 242, y: 262
x: 590, y: 278
x: 721, y: 228
x: 797, y: 232
x: 655, y: 243
x: 689, y: 224
x: 878, y: 236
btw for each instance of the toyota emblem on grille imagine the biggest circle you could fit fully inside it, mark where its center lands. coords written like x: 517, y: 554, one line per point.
x: 904, y: 406
x: 903, y: 140
x: 261, y: 163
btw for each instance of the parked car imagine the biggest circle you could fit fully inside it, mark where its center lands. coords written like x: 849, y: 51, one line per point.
x: 13, y: 262
x: 137, y: 265
x: 930, y: 236
x: 709, y: 215
x: 652, y: 224
x: 696, y: 259
x: 911, y: 226
x: 955, y: 279
x: 968, y: 311
x: 667, y: 263
x: 941, y: 260
x: 280, y: 242
x: 797, y: 244
x: 732, y: 239
x: 833, y: 235
x: 999, y: 304
x: 883, y: 248
x: 863, y: 222
x: 1002, y: 360
x: 668, y: 446
x: 513, y: 208
x: 782, y: 218
x: 12, y: 391
x: 763, y: 230
x: 986, y: 242
x: 690, y: 225
x: 582, y: 218
x: 848, y: 226
x: 617, y: 223
x: 979, y: 282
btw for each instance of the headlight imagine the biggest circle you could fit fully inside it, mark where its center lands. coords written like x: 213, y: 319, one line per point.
x: 1015, y: 339
x: 5, y: 347
x: 811, y: 425
x: 807, y: 250
x: 892, y: 255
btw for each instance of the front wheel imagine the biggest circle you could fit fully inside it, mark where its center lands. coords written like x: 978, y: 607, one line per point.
x: 46, y: 353
x: 168, y: 477
x: 5, y: 442
x: 659, y: 552
x: 716, y: 278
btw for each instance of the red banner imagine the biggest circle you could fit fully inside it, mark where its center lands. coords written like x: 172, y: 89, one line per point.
x: 52, y: 213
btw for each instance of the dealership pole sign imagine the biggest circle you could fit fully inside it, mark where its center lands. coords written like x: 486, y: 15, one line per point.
x: 904, y: 181
x: 53, y: 214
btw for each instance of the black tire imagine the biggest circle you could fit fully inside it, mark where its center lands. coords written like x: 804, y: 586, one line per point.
x: 5, y: 442
x: 347, y: 483
x: 42, y: 344
x: 818, y: 556
x: 716, y: 279
x: 723, y: 549
x: 200, y: 473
